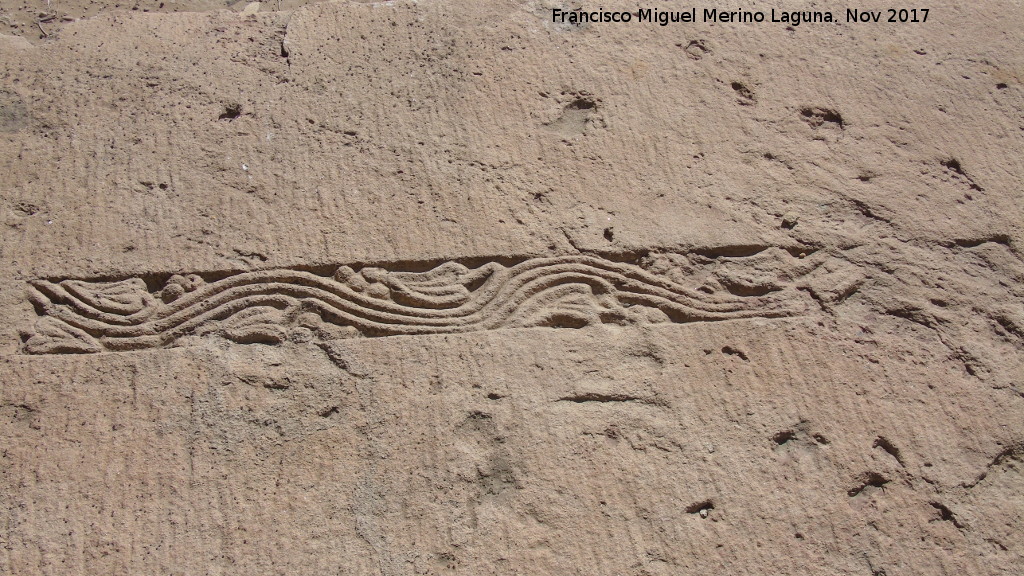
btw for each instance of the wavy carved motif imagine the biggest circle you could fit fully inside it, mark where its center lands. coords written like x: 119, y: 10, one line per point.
x: 276, y: 305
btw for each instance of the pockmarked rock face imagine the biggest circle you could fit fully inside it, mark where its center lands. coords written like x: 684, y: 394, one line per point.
x: 412, y: 288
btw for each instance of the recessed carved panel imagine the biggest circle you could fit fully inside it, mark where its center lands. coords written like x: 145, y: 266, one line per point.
x: 272, y: 306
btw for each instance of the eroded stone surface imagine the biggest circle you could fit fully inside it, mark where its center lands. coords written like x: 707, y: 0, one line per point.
x: 425, y: 288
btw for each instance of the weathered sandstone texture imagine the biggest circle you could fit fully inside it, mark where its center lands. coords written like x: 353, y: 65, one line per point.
x: 444, y: 288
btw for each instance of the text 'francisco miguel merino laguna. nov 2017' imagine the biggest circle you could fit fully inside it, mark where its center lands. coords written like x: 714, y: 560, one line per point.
x: 581, y: 16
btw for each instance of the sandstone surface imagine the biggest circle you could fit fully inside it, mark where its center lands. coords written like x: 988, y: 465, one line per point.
x: 444, y: 287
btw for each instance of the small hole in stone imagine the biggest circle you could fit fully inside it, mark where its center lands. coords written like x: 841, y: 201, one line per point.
x: 581, y: 104
x: 231, y: 111
x: 781, y: 438
x: 703, y: 508
x: 954, y: 165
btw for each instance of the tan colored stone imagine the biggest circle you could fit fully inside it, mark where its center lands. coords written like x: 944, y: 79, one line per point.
x: 441, y: 287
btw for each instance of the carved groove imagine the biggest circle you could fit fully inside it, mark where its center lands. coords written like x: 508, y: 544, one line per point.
x: 272, y: 306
